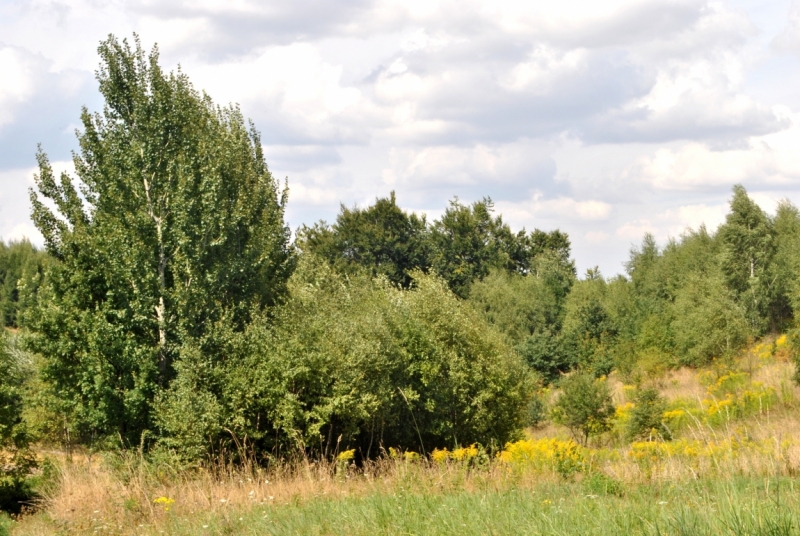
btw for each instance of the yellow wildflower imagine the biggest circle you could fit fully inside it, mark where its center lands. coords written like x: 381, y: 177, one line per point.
x: 164, y: 502
x: 346, y: 455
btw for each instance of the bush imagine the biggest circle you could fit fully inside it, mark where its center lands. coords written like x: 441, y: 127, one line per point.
x: 584, y: 406
x: 352, y: 362
x: 16, y: 461
x: 647, y: 416
x: 537, y: 410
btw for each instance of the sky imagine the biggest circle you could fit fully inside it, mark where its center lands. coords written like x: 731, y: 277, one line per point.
x: 606, y: 120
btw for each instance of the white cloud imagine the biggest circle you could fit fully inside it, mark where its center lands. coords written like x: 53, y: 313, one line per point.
x: 15, y: 207
x: 765, y: 160
x: 16, y: 84
x: 606, y: 119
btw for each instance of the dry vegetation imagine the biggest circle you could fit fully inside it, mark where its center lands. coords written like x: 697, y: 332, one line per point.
x: 124, y: 494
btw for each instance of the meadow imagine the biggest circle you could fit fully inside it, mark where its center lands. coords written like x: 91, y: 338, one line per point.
x: 178, y: 360
x: 729, y: 469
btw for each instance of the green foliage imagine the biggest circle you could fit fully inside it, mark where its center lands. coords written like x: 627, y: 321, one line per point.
x: 163, y: 313
x: 16, y: 460
x: 706, y: 294
x: 601, y: 484
x: 178, y: 226
x: 358, y: 363
x: 382, y: 238
x: 21, y: 273
x: 584, y: 406
x: 748, y: 249
x: 589, y: 328
x: 529, y: 310
x: 537, y: 410
x: 646, y: 417
x: 708, y: 322
x: 468, y: 242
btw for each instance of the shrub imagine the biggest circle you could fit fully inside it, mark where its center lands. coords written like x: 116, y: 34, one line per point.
x: 647, y: 416
x: 352, y: 362
x: 16, y: 460
x: 584, y: 406
x: 537, y: 410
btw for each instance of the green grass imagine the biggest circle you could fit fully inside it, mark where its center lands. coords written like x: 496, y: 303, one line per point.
x: 738, y: 507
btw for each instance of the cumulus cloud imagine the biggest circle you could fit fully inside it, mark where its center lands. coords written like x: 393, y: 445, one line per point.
x: 15, y: 207
x: 605, y: 119
x: 36, y: 106
x: 224, y: 29
x: 765, y: 160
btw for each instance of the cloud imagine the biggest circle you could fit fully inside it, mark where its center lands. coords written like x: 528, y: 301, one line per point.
x: 292, y: 93
x: 788, y: 41
x: 219, y: 31
x: 565, y: 209
x: 15, y: 221
x: 673, y: 222
x: 606, y: 119
x: 512, y: 170
x: 765, y: 160
x: 36, y: 106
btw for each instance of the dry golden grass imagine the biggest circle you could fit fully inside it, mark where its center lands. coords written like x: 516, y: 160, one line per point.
x: 682, y: 383
x: 125, y: 500
x: 91, y: 495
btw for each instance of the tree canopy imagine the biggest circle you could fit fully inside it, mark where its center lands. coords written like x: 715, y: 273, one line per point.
x: 172, y: 224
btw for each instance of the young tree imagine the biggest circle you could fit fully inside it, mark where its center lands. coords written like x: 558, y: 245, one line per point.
x: 178, y: 227
x: 584, y: 406
x: 647, y: 417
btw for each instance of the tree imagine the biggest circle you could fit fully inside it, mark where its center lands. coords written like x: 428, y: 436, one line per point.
x: 467, y: 242
x: 21, y: 272
x: 529, y: 311
x: 749, y: 247
x: 178, y: 228
x: 647, y: 416
x: 589, y: 329
x: 784, y: 270
x: 382, y: 238
x: 584, y: 406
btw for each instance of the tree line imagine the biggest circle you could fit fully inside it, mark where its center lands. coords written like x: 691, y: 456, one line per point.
x: 171, y: 310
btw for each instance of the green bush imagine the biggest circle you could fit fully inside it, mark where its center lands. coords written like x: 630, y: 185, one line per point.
x: 16, y: 460
x: 584, y: 406
x: 646, y: 417
x: 537, y: 410
x: 352, y: 362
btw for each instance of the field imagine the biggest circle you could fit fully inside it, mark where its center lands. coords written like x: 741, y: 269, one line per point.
x: 729, y: 469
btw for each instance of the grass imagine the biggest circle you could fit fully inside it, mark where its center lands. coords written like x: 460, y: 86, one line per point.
x: 736, y: 507
x: 391, y: 496
x: 742, y: 506
x: 723, y: 474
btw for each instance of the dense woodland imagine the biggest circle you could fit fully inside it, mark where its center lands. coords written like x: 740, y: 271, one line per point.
x: 172, y: 312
